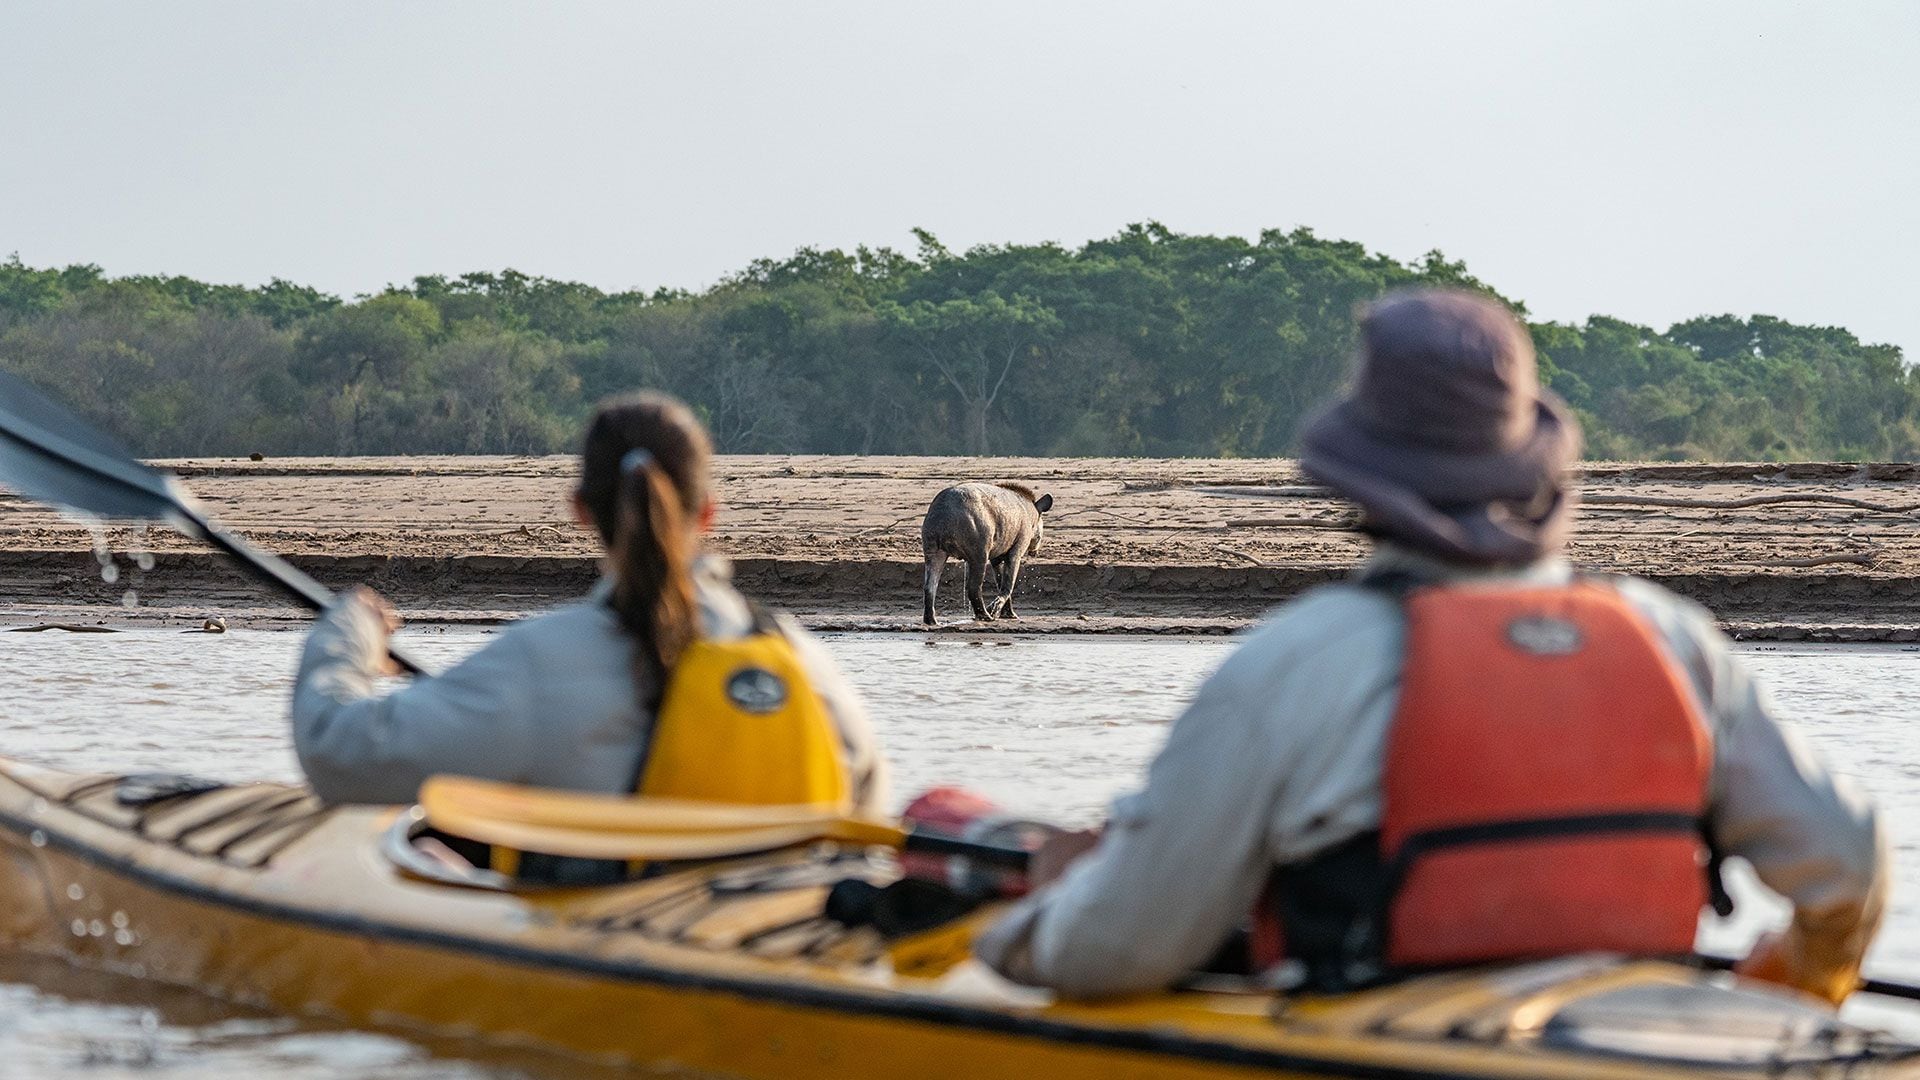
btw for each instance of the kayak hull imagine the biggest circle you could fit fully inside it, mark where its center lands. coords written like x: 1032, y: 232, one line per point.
x: 325, y: 926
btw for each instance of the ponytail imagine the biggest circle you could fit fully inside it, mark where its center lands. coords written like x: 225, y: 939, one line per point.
x: 652, y: 552
x: 644, y: 478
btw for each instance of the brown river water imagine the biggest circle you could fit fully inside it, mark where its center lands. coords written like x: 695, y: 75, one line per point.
x: 1052, y: 727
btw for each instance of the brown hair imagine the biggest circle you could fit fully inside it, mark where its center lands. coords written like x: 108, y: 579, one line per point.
x: 643, y: 478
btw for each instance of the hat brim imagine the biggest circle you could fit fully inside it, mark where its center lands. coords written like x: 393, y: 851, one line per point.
x: 1453, y: 503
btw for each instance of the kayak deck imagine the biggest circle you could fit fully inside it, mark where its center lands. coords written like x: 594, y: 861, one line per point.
x: 259, y: 893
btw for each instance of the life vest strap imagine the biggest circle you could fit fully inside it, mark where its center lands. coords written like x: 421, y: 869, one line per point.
x: 1421, y: 844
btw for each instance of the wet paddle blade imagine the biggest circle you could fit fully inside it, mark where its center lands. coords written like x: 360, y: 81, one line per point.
x: 50, y: 455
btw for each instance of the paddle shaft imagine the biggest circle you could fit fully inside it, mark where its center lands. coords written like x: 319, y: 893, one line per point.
x: 932, y: 843
x: 1890, y: 989
x: 278, y: 572
x: 1881, y: 987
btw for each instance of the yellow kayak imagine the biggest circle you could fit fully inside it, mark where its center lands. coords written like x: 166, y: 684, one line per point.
x: 259, y: 894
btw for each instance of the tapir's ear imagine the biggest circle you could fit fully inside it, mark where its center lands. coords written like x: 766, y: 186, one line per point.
x: 1044, y: 503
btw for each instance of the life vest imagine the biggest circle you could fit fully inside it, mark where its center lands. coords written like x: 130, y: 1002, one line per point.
x: 1545, y: 780
x: 740, y: 722
x: 1543, y: 788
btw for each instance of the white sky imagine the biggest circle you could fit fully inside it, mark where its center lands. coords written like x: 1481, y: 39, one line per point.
x: 1651, y: 160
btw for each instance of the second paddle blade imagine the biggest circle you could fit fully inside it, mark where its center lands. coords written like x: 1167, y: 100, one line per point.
x: 50, y: 455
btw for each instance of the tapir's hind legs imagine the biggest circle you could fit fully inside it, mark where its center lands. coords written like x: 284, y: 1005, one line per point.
x: 1009, y: 576
x: 976, y: 582
x: 930, y: 582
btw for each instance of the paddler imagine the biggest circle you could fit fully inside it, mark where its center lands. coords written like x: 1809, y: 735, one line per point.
x: 1468, y: 753
x: 663, y: 680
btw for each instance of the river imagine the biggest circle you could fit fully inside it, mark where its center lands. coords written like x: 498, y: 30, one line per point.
x: 1050, y: 726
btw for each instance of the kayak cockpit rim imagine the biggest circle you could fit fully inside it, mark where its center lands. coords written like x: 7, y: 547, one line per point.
x: 400, y: 845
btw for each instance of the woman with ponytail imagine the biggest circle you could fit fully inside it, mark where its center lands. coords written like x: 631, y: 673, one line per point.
x: 664, y: 680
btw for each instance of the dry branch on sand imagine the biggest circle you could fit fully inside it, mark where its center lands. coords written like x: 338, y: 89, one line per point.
x: 1751, y: 500
x: 1348, y: 523
x: 1855, y: 558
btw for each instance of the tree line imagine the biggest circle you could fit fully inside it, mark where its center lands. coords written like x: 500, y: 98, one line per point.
x: 1146, y: 343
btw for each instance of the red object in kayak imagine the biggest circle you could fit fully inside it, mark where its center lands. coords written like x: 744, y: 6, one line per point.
x: 968, y: 815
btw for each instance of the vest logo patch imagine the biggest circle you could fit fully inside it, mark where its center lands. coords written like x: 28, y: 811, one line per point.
x: 756, y: 690
x: 1544, y: 635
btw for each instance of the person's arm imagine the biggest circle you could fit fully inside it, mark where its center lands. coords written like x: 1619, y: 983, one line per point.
x: 1810, y: 836
x: 474, y: 720
x: 1177, y: 869
x: 866, y: 764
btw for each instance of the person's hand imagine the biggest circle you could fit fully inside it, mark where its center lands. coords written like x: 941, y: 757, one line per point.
x: 1768, y: 960
x: 1057, y: 852
x: 384, y: 616
x: 1779, y: 957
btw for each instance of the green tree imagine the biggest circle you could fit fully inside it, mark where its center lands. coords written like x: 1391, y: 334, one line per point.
x: 974, y: 344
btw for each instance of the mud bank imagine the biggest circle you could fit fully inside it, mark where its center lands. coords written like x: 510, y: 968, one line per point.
x: 1817, y: 551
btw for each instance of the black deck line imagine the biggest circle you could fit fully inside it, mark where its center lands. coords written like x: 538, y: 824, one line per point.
x: 903, y: 1008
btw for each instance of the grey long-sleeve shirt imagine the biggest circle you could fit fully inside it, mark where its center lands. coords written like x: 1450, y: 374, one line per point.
x: 1280, y: 756
x: 551, y: 701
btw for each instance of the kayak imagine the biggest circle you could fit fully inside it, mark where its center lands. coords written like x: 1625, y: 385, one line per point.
x: 260, y: 894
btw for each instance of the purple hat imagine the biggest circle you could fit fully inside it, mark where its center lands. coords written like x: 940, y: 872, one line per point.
x: 1446, y: 440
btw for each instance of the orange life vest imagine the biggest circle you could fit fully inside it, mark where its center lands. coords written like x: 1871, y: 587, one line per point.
x: 1542, y: 792
x: 1545, y: 780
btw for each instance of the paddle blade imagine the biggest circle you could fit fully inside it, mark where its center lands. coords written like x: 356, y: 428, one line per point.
x: 50, y: 455
x: 600, y: 826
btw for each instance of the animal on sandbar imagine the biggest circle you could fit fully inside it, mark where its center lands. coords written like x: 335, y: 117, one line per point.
x: 981, y: 524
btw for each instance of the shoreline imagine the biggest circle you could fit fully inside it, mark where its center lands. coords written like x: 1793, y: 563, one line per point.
x: 184, y: 588
x: 1818, y: 552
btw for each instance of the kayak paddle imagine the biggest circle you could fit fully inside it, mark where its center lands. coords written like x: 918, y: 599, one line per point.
x: 596, y: 826
x: 49, y: 455
x: 1880, y: 987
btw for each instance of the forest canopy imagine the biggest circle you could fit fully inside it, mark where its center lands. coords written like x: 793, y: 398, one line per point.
x: 1147, y: 343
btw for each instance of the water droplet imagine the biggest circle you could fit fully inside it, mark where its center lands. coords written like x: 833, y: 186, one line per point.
x: 109, y: 573
x: 79, y: 928
x: 123, y: 938
x: 37, y: 838
x: 97, y: 928
x: 138, y: 971
x: 130, y: 599
x: 37, y: 807
x: 120, y: 919
x: 143, y: 560
x: 75, y: 892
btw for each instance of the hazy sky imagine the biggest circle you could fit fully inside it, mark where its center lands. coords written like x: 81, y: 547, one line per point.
x: 1649, y: 160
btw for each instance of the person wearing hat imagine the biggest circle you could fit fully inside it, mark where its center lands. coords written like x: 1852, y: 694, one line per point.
x: 1469, y: 752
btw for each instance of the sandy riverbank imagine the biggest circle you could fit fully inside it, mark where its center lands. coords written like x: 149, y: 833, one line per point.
x: 1131, y: 545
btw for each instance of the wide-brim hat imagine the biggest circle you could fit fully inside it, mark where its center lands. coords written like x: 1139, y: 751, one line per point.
x: 1446, y: 440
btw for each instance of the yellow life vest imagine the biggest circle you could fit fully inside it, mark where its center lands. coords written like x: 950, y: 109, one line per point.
x: 741, y: 723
